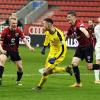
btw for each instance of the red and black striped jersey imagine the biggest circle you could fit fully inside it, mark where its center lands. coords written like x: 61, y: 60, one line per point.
x: 11, y: 39
x: 75, y: 31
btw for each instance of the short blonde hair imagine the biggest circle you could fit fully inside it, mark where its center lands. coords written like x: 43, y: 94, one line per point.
x: 12, y: 17
x: 14, y: 14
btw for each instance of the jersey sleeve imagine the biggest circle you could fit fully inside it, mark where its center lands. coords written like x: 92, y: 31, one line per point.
x: 59, y: 54
x: 46, y: 41
x: 80, y: 24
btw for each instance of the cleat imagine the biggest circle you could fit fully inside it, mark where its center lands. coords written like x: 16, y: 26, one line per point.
x: 19, y: 83
x: 76, y: 85
x: 0, y: 81
x: 69, y: 70
x: 97, y: 82
x: 37, y: 88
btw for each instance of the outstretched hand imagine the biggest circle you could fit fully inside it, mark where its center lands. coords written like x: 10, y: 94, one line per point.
x: 32, y: 49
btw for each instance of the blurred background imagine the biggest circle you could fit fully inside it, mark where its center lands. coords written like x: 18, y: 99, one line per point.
x: 31, y: 12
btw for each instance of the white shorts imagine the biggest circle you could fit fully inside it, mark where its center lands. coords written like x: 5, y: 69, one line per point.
x: 97, y: 53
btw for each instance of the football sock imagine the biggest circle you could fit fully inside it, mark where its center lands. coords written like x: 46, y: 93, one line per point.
x: 42, y: 81
x: 19, y: 75
x: 59, y: 69
x: 1, y: 71
x: 96, y: 66
x: 76, y: 73
x: 96, y: 72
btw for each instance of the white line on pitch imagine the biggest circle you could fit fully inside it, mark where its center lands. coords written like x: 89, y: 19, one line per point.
x: 9, y: 75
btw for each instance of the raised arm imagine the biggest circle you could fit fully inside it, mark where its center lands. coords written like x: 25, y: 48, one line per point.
x: 28, y: 44
x: 85, y: 32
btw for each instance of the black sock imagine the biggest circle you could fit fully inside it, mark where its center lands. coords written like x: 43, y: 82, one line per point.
x: 76, y: 73
x: 1, y: 71
x: 19, y: 75
x: 96, y: 66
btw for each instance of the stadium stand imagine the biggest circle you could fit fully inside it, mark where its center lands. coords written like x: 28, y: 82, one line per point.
x: 86, y: 9
x: 9, y: 6
x: 57, y: 10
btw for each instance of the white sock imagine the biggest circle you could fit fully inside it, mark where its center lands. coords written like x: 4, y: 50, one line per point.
x: 96, y: 73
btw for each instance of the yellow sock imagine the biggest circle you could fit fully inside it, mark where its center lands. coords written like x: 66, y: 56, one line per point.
x: 42, y: 81
x: 59, y: 69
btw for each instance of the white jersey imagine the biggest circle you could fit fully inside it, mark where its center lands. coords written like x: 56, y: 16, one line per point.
x: 97, y: 35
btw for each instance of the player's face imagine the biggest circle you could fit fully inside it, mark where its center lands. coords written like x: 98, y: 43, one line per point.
x: 98, y: 20
x: 46, y: 25
x: 13, y: 24
x: 70, y: 18
x: 90, y: 22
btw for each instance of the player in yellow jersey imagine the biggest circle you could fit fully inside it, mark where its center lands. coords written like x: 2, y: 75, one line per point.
x: 58, y: 48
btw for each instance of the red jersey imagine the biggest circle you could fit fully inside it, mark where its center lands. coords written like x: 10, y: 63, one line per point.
x: 75, y: 31
x: 11, y: 39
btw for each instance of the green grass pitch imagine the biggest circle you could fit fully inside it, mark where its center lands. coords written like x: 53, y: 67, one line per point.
x: 56, y: 87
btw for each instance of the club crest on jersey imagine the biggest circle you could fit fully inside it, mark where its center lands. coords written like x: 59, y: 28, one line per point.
x: 88, y: 57
x: 16, y: 34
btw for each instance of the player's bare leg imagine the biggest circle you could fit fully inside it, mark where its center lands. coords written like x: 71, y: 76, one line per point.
x: 3, y: 59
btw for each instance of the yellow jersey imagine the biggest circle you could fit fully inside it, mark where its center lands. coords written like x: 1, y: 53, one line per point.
x: 57, y: 42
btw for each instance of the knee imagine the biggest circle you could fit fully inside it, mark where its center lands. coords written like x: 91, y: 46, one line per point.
x: 2, y: 62
x: 20, y: 69
x: 47, y: 71
x: 74, y: 64
x: 89, y: 66
x: 75, y: 61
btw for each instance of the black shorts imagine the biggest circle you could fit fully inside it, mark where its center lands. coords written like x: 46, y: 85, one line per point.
x: 85, y: 53
x: 14, y: 56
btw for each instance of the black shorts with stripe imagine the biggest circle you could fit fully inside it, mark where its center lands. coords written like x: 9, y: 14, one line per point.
x: 85, y: 53
x: 14, y: 56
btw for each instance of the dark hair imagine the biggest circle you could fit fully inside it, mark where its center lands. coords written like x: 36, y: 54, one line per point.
x: 48, y: 20
x: 72, y: 12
